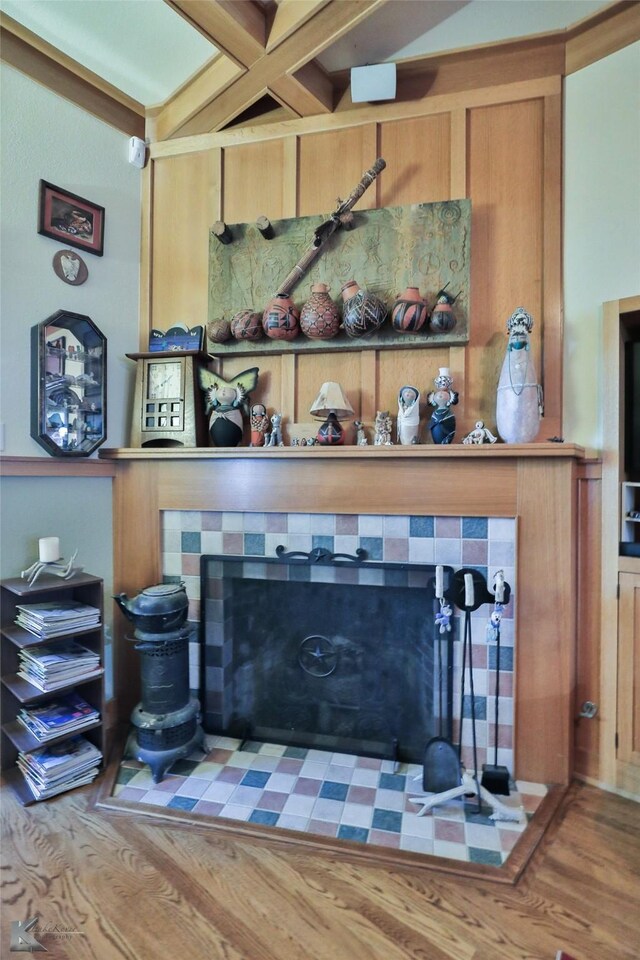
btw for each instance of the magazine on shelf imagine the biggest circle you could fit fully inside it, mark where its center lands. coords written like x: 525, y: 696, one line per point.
x: 58, y: 657
x: 59, y: 762
x: 57, y: 618
x: 44, y: 793
x: 58, y: 717
x: 51, y: 685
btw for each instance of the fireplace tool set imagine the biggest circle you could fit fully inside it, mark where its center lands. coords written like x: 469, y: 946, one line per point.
x: 444, y: 775
x: 166, y: 720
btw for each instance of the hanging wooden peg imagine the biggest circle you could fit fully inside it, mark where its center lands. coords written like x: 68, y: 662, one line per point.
x: 265, y: 227
x: 221, y: 231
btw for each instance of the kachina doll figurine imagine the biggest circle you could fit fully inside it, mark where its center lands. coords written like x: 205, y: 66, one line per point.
x: 408, y: 415
x: 227, y: 405
x: 443, y: 422
x: 259, y: 424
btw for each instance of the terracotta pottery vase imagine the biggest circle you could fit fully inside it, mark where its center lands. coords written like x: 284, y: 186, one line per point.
x: 219, y: 330
x: 409, y: 311
x: 320, y: 317
x: 281, y: 319
x: 363, y: 313
x: 247, y: 325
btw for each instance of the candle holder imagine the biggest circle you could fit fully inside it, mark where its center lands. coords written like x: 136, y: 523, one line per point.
x: 58, y: 568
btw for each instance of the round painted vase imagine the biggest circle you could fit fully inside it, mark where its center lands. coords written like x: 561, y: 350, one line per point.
x: 409, y: 311
x: 320, y: 317
x: 442, y: 316
x: 247, y: 325
x: 281, y: 319
x: 363, y: 313
x: 219, y: 330
x: 519, y: 396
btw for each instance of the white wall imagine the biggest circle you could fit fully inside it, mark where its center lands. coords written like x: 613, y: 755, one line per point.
x: 46, y: 137
x: 601, y: 224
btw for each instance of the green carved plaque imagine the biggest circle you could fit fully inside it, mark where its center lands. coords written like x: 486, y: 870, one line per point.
x: 425, y: 245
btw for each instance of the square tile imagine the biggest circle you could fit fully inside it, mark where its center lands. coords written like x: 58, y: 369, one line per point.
x: 255, y: 778
x: 218, y: 792
x: 359, y: 794
x: 357, y: 815
x: 307, y: 786
x: 390, y: 820
x: 299, y: 806
x: 326, y: 809
x: 492, y: 858
x: 246, y: 796
x: 234, y: 811
x: 392, y: 781
x: 358, y: 834
x: 266, y: 817
x: 207, y: 808
x: 182, y: 803
x: 272, y: 801
x: 332, y: 790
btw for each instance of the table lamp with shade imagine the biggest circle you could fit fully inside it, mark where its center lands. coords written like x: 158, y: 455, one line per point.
x: 332, y: 406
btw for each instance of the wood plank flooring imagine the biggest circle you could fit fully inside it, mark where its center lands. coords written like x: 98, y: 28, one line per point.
x: 117, y: 885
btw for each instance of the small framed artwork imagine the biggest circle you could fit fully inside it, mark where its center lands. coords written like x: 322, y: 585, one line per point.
x: 71, y: 219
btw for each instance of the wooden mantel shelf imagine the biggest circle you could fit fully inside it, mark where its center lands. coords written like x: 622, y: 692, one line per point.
x: 352, y: 453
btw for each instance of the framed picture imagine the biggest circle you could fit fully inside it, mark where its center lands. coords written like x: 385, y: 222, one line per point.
x: 71, y: 219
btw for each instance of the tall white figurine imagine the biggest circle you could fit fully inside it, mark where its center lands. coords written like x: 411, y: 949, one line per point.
x: 408, y: 415
x: 519, y: 401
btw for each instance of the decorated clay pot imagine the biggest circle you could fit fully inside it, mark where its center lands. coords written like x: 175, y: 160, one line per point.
x: 320, y: 317
x: 281, y: 319
x: 219, y: 330
x: 442, y: 317
x: 409, y: 311
x: 363, y: 313
x: 246, y: 325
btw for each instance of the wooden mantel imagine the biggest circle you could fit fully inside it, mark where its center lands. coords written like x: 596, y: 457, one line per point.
x: 535, y: 483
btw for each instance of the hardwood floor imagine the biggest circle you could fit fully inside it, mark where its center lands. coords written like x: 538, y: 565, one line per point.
x: 127, y: 886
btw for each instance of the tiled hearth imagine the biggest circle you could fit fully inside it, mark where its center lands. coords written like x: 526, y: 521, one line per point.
x: 331, y: 795
x: 484, y: 543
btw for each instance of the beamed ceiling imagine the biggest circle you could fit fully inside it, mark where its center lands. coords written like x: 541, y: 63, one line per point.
x: 265, y: 61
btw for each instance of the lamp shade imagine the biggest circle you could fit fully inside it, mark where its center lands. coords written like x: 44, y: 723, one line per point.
x: 331, y: 399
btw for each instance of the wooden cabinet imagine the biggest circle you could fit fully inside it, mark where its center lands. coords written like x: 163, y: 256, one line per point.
x: 619, y: 714
x: 18, y: 692
x: 628, y: 753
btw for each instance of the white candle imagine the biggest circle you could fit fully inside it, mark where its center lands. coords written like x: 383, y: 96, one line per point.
x: 49, y: 549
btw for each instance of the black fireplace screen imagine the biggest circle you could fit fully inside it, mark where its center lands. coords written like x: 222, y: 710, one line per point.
x: 321, y: 652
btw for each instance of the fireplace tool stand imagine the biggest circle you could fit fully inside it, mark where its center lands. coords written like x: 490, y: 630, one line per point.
x: 469, y: 591
x: 166, y: 721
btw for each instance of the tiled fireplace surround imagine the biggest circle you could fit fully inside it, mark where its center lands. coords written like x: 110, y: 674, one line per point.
x: 484, y: 543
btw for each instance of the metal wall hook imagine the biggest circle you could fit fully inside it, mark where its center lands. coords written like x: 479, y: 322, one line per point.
x: 588, y: 710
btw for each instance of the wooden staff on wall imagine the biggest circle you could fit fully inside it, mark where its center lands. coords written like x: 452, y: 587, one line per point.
x: 340, y: 218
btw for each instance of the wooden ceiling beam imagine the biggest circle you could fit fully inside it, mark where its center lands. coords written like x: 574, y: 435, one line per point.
x: 307, y: 92
x: 216, y: 76
x: 290, y: 16
x: 42, y: 62
x: 332, y: 21
x: 238, y: 30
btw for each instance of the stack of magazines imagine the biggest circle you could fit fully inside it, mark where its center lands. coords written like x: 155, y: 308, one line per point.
x: 52, y: 667
x: 57, y: 617
x: 60, y: 767
x: 58, y: 717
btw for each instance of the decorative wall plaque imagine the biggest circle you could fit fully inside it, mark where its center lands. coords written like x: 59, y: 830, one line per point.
x: 425, y: 245
x: 70, y: 267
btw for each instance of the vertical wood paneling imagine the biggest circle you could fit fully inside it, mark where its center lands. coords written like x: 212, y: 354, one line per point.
x: 418, y: 156
x: 254, y: 181
x: 551, y: 368
x: 506, y: 160
x: 314, y: 370
x: 186, y: 193
x: 331, y: 164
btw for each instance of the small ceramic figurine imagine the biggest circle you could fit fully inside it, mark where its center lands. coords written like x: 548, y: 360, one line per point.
x: 480, y: 434
x: 275, y: 437
x: 382, y: 429
x: 259, y: 424
x: 226, y: 404
x: 519, y: 400
x: 361, y: 437
x: 443, y: 423
x: 408, y: 415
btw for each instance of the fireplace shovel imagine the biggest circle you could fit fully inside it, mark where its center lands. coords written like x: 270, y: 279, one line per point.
x: 495, y: 776
x: 441, y: 770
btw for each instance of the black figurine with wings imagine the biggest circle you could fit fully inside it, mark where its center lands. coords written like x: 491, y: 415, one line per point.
x: 227, y: 403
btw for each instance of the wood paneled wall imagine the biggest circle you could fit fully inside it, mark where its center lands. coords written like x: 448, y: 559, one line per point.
x: 500, y: 146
